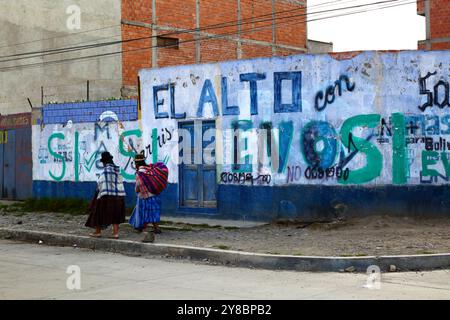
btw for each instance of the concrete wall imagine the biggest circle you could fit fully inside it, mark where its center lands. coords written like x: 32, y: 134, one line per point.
x: 315, y: 47
x: 68, y: 143
x: 69, y: 139
x: 23, y: 22
x: 343, y: 131
x: 309, y: 137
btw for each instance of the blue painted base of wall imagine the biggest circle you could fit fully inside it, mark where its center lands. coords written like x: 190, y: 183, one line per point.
x: 305, y: 203
x: 317, y: 203
x: 85, y: 190
x: 79, y: 190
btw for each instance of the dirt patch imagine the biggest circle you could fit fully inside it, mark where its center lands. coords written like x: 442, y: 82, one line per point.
x: 376, y: 235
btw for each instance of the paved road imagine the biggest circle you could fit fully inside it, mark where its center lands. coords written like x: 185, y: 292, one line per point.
x: 39, y: 272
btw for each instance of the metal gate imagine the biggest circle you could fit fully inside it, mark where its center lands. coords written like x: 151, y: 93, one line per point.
x: 15, y: 157
x: 9, y: 165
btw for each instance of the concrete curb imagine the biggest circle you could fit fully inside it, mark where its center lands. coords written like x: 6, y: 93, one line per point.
x: 233, y: 258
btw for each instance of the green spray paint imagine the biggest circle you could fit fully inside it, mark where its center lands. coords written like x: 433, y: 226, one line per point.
x: 429, y: 158
x: 57, y: 156
x: 89, y: 163
x: 399, y: 160
x: 374, y: 158
x: 126, y: 153
x: 445, y: 162
x: 155, y: 145
x: 77, y: 157
x: 237, y: 166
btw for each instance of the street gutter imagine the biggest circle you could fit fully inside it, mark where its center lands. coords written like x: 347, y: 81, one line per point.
x: 234, y: 258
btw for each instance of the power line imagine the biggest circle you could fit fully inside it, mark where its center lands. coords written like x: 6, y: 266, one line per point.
x: 324, y: 4
x: 214, y: 26
x: 251, y: 30
x: 186, y: 41
x: 198, y: 39
x: 119, y: 25
x: 38, y: 54
x: 59, y: 37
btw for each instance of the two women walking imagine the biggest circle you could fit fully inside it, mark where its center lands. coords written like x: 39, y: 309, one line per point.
x: 108, y: 205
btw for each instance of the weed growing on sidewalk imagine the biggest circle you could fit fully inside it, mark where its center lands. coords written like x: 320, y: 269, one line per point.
x: 68, y: 206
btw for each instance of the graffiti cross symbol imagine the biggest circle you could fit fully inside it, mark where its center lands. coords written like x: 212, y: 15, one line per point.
x: 412, y: 127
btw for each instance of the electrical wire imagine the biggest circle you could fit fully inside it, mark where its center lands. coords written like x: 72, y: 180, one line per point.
x: 197, y: 39
x: 39, y: 54
x: 329, y: 3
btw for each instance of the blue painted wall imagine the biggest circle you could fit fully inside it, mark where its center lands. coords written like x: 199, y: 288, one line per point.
x: 85, y: 190
x: 82, y: 112
x: 304, y: 203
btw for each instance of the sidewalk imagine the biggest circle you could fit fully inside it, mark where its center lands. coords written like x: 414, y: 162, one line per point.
x: 215, y: 222
x: 360, y: 237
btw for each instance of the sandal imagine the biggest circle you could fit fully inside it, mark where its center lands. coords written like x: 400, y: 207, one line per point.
x: 115, y: 236
x: 95, y: 235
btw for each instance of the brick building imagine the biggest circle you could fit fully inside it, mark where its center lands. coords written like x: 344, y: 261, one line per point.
x: 280, y: 30
x: 437, y: 15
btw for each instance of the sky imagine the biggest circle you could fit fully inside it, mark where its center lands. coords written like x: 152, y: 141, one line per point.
x: 386, y: 29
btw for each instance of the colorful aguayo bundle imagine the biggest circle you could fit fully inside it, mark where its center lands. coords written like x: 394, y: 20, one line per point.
x: 154, y: 177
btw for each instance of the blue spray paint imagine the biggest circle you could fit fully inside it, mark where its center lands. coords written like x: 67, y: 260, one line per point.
x: 313, y: 133
x: 227, y: 110
x: 286, y: 132
x: 296, y: 79
x: 208, y: 96
x: 253, y: 78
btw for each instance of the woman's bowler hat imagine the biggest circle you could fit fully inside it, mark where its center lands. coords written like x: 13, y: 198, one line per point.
x: 106, y: 157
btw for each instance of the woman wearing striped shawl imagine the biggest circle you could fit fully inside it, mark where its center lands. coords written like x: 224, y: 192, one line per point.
x: 108, y: 205
x: 150, y: 181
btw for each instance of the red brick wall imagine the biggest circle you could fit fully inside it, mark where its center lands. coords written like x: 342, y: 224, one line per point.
x: 440, y: 18
x: 439, y: 23
x: 134, y: 59
x: 286, y: 52
x: 251, y: 12
x: 176, y: 13
x: 136, y: 54
x: 218, y: 12
x: 420, y: 6
x: 290, y: 31
x: 185, y: 54
x: 254, y: 51
x: 217, y: 50
x: 441, y: 46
